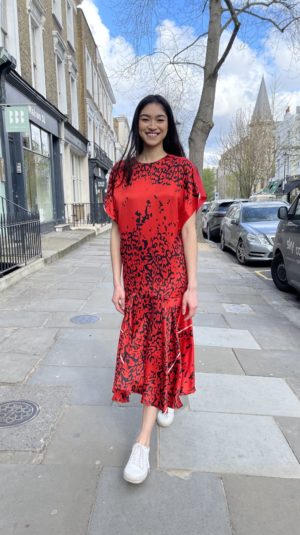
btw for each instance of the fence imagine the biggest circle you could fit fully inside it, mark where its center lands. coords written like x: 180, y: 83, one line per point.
x: 20, y: 236
x: 78, y: 214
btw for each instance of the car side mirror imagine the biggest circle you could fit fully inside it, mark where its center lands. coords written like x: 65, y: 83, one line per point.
x: 234, y: 221
x: 282, y: 213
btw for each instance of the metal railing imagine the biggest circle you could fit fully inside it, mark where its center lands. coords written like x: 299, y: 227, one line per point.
x: 20, y: 236
x: 77, y: 214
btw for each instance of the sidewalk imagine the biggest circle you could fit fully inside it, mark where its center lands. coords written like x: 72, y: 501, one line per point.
x: 229, y: 464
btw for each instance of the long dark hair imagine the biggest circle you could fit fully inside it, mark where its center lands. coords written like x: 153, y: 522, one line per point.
x: 135, y: 145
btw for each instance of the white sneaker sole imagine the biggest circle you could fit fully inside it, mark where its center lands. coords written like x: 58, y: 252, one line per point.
x: 135, y: 481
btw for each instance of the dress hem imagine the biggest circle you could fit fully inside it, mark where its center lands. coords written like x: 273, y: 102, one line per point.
x: 121, y: 396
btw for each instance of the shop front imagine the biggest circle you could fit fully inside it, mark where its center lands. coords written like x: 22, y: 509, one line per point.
x: 33, y: 157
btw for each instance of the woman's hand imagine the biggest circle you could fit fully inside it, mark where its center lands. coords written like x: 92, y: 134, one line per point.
x: 118, y: 298
x: 189, y: 301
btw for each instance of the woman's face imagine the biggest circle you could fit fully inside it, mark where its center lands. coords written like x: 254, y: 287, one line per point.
x: 153, y: 125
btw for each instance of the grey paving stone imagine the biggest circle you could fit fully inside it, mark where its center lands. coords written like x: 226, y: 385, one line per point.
x: 247, y: 299
x: 87, y: 333
x: 242, y: 394
x: 294, y: 383
x: 216, y: 360
x: 269, y: 362
x: 162, y: 505
x: 93, y: 351
x: 203, y: 319
x: 35, y: 341
x: 46, y: 499
x: 5, y: 333
x: 226, y: 443
x: 252, y: 322
x: 210, y: 308
x: 34, y: 434
x: 106, y: 321
x: 263, y: 506
x: 285, y: 338
x: 91, y: 386
x: 291, y: 430
x: 237, y: 309
x: 14, y: 367
x: 96, y: 435
x: 20, y: 318
x: 53, y: 305
x: 220, y: 337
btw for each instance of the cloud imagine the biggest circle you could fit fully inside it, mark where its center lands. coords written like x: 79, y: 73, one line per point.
x: 238, y: 82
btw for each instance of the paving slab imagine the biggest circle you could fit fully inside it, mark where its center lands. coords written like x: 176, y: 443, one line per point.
x: 63, y: 319
x: 285, y: 338
x: 46, y: 499
x: 30, y: 340
x: 216, y: 360
x: 220, y: 337
x: 290, y: 427
x: 294, y: 383
x: 263, y: 506
x: 226, y: 443
x: 269, y: 362
x: 162, y: 505
x: 19, y: 318
x: 34, y: 434
x: 237, y: 309
x: 96, y: 435
x: 15, y: 367
x: 53, y: 305
x: 5, y: 333
x: 244, y: 395
x: 203, y: 319
x: 93, y: 351
x: 91, y: 386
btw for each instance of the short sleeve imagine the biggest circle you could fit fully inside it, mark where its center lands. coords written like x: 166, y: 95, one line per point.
x: 109, y: 201
x: 194, y: 194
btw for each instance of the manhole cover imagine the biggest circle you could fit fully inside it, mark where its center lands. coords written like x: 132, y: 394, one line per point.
x: 14, y: 413
x: 83, y: 320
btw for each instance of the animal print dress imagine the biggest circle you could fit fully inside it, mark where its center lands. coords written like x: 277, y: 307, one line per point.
x: 155, y: 356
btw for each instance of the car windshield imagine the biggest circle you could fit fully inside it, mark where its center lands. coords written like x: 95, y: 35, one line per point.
x: 224, y: 207
x: 260, y: 213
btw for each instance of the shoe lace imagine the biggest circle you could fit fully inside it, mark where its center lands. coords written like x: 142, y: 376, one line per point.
x: 139, y: 456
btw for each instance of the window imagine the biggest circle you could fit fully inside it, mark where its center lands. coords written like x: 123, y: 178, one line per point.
x: 56, y: 10
x: 74, y: 101
x: 76, y: 178
x: 91, y: 134
x: 3, y: 15
x: 70, y: 22
x: 38, y: 176
x: 89, y: 75
x: 36, y: 18
x: 60, y: 53
x: 95, y: 85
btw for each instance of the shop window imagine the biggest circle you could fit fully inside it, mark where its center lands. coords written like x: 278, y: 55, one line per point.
x: 38, y: 175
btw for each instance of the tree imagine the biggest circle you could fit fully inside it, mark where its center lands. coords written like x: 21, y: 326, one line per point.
x: 249, y: 153
x: 209, y: 181
x: 221, y: 19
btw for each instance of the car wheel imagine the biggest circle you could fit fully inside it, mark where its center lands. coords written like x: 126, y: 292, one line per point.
x: 223, y: 245
x: 240, y: 253
x: 279, y: 273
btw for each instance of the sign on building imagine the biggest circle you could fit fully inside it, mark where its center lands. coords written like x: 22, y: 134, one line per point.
x: 17, y: 119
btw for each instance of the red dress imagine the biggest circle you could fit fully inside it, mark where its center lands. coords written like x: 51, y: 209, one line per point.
x: 155, y: 356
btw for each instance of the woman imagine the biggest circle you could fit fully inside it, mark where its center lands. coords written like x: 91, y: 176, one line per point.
x: 152, y: 198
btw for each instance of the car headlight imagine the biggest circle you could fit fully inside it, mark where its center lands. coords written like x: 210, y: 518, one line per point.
x: 258, y: 239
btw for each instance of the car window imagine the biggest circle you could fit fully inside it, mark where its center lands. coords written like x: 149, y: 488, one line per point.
x: 260, y: 213
x: 230, y: 211
x: 237, y: 213
x: 224, y: 206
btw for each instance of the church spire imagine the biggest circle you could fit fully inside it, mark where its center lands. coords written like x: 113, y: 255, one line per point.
x: 262, y: 111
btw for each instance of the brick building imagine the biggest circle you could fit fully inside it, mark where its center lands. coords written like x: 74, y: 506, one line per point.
x: 62, y: 160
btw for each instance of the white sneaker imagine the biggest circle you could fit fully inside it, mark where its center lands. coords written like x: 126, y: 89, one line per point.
x: 138, y: 467
x: 164, y: 419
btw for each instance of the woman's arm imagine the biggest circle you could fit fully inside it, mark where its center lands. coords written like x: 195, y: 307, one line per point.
x: 190, y: 246
x: 119, y: 295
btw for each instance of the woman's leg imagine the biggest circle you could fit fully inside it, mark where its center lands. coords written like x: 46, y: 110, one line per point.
x: 148, y: 421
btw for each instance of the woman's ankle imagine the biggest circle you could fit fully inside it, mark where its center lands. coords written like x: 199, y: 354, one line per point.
x: 144, y: 441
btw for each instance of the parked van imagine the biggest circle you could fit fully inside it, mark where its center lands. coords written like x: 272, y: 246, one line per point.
x: 285, y: 265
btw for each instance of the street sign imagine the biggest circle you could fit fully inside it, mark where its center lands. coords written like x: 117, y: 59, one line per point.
x: 17, y: 119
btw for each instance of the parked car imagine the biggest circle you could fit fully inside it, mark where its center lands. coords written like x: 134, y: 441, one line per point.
x: 212, y: 221
x: 203, y: 214
x: 249, y: 229
x: 285, y: 267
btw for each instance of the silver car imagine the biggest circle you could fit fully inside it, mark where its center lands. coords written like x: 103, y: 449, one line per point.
x: 249, y: 230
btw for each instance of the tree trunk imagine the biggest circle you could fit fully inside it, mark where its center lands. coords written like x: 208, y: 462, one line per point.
x: 203, y: 122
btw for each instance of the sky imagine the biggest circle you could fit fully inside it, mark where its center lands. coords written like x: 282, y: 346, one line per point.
x: 124, y: 37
